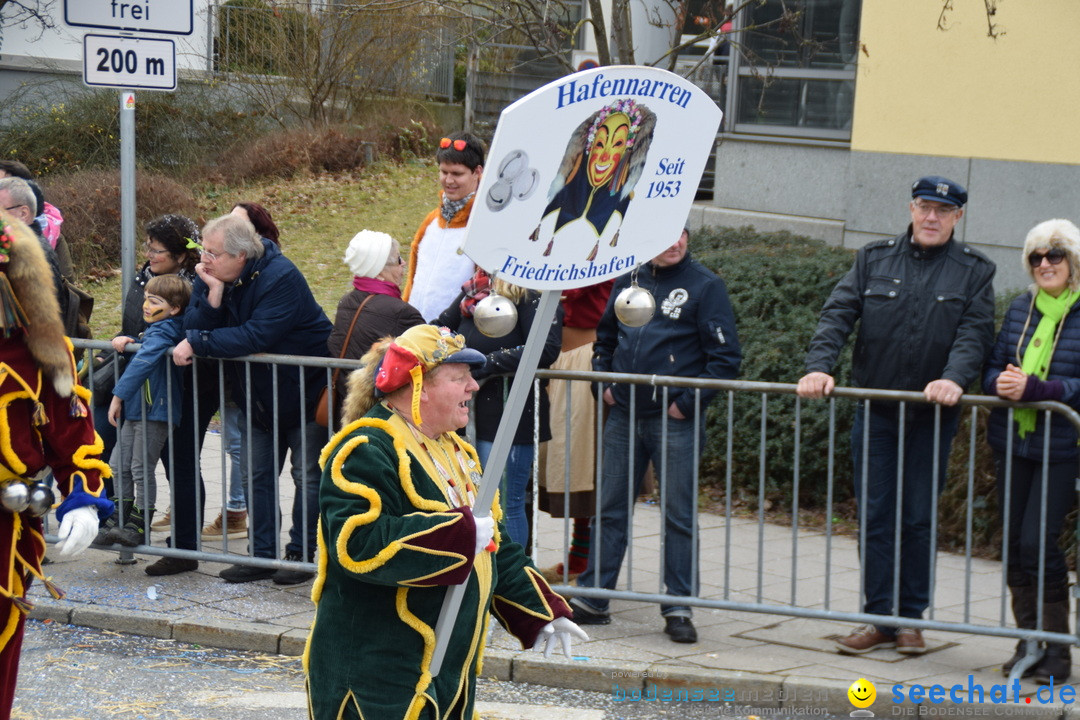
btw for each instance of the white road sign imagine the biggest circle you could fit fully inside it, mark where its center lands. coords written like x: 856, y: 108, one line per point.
x: 173, y: 17
x: 126, y: 62
x: 590, y: 176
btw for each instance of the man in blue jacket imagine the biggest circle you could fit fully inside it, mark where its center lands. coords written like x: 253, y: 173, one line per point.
x: 692, y: 335
x: 249, y: 298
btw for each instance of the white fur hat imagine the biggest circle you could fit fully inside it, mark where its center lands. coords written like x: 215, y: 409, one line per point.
x: 368, y: 253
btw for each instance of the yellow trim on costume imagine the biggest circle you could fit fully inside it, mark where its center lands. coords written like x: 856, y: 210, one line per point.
x: 13, y: 615
x: 336, y: 440
x: 82, y: 392
x: 344, y: 705
x: 417, y: 375
x: 6, y: 371
x: 361, y: 567
x: 321, y: 564
x: 86, y: 458
x: 533, y: 576
x: 401, y: 438
x: 482, y: 566
x: 427, y: 634
x: 316, y: 590
x: 354, y: 488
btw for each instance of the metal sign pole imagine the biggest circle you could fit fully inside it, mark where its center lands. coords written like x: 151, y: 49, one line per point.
x: 500, y: 450
x: 127, y: 188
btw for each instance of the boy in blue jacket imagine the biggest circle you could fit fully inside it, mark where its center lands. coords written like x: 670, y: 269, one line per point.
x: 149, y: 395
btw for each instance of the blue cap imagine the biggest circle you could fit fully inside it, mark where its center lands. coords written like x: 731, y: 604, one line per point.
x: 939, y: 189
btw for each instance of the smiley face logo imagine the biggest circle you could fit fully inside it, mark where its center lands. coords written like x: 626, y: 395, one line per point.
x: 862, y: 693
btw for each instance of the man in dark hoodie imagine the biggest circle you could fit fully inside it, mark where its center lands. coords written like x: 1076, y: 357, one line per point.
x: 249, y: 298
x: 692, y: 335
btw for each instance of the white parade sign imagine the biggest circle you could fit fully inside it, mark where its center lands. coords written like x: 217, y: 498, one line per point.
x: 172, y: 17
x: 127, y: 62
x: 590, y: 176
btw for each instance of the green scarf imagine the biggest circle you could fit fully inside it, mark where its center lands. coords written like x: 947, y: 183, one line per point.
x: 1041, y: 348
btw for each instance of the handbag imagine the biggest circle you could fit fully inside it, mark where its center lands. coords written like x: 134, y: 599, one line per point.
x: 322, y: 410
x: 108, y: 367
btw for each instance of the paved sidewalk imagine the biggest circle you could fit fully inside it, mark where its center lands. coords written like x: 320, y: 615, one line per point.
x: 751, y: 660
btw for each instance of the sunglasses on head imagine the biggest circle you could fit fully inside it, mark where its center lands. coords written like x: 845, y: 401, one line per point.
x: 1054, y: 255
x: 459, y: 145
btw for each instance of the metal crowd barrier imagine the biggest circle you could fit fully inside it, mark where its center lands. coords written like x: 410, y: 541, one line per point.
x: 770, y: 600
x: 216, y: 466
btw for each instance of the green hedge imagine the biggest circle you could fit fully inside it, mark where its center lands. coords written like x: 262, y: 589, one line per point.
x: 79, y: 129
x: 778, y: 283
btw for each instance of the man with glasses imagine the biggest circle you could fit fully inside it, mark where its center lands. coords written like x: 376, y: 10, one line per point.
x: 17, y: 198
x: 436, y: 267
x: 926, y: 305
x: 249, y: 298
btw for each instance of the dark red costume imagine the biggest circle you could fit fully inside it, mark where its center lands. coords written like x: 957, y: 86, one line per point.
x: 44, y: 424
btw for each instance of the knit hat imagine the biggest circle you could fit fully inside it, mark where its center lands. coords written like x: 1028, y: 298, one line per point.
x: 416, y: 352
x: 368, y: 252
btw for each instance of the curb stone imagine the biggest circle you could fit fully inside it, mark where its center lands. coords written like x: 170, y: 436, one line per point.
x: 498, y: 664
x: 572, y: 674
x: 56, y: 610
x: 292, y: 642
x: 136, y: 622
x: 230, y: 634
x: 802, y: 691
x: 756, y: 690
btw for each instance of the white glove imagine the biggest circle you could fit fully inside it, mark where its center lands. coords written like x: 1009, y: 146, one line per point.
x: 485, y: 530
x: 79, y: 528
x: 558, y: 630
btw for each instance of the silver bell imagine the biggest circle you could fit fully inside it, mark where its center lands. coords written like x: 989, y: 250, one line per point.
x: 15, y: 496
x: 41, y: 499
x: 634, y: 306
x: 495, y: 315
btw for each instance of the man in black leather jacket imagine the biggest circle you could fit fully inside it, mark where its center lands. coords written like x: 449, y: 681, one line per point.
x: 926, y: 306
x: 691, y: 335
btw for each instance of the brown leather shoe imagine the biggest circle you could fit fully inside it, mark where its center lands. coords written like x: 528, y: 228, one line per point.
x: 909, y: 641
x: 864, y: 639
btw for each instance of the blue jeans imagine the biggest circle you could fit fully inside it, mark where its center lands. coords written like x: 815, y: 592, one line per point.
x: 515, y: 483
x: 879, y: 507
x: 619, y: 488
x: 230, y: 439
x: 304, y: 442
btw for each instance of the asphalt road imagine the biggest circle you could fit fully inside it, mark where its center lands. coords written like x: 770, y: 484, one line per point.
x: 73, y: 673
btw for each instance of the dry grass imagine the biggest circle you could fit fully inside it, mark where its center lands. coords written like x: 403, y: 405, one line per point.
x: 317, y: 215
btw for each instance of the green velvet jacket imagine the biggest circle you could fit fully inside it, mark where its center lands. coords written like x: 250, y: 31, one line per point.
x: 389, y: 545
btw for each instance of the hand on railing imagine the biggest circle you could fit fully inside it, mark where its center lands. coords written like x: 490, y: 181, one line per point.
x: 815, y: 385
x: 943, y: 391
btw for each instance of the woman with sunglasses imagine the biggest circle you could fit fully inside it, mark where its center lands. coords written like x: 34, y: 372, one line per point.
x: 1037, y: 357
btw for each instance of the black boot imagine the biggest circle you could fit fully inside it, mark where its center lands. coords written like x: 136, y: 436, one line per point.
x: 1025, y: 603
x: 134, y: 531
x: 109, y: 524
x: 1056, y: 665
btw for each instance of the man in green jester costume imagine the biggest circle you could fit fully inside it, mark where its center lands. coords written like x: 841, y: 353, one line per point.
x: 396, y: 529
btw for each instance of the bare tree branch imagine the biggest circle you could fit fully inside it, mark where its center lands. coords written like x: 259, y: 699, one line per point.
x: 993, y: 30
x: 36, y: 14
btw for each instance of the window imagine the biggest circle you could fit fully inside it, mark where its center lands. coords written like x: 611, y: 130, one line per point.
x: 795, y: 74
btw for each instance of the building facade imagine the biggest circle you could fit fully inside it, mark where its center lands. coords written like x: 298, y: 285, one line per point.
x: 832, y: 119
